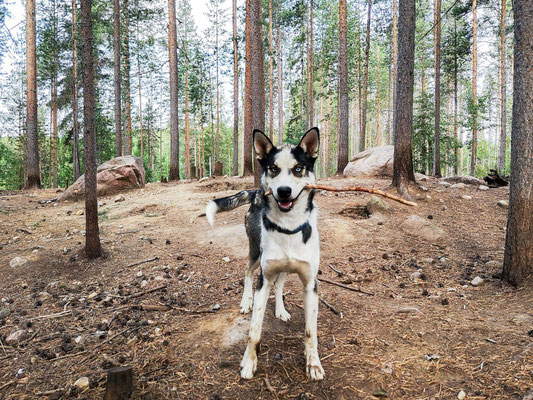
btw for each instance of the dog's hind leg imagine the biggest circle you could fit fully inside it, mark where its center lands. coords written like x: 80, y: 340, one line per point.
x: 313, y: 366
x: 281, y: 312
x: 248, y: 293
x: 249, y: 360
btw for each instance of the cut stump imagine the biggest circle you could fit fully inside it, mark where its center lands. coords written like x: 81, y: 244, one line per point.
x: 119, y: 383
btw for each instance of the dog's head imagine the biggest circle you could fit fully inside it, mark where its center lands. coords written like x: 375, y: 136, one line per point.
x: 287, y: 169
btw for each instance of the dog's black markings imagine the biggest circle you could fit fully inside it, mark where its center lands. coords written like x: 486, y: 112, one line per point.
x: 310, y: 199
x: 316, y: 286
x: 237, y: 200
x: 304, y: 228
x: 260, y: 280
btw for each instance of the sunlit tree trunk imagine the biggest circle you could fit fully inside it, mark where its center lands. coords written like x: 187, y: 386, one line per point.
x: 235, y: 93
x: 247, y: 144
x: 342, y: 145
x: 378, y: 100
x: 503, y: 92
x: 127, y: 81
x: 117, y: 79
x: 473, y: 159
x: 280, y: 84
x: 139, y: 77
x: 436, y: 47
x: 362, y: 136
x: 271, y: 74
x: 187, y: 133
x: 174, y: 173
x: 75, y: 133
x: 310, y: 69
x: 394, y: 56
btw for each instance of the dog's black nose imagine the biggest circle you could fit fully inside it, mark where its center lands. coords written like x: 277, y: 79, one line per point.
x: 284, y: 192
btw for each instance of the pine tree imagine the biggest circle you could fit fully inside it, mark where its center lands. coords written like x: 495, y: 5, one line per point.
x: 343, y: 90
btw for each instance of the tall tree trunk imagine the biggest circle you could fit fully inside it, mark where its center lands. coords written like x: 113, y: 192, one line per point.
x: 218, y: 92
x: 436, y: 46
x: 403, y: 173
x: 378, y: 100
x: 518, y: 258
x: 247, y: 140
x: 359, y: 92
x: 174, y: 173
x: 271, y: 73
x: 310, y: 68
x: 362, y: 136
x: 127, y: 81
x: 33, y: 177
x: 503, y: 92
x: 139, y: 80
x: 93, y: 248
x: 54, y: 129
x: 394, y: 56
x: 75, y: 133
x: 389, y: 111
x: 343, y: 90
x: 473, y: 159
x: 187, y: 134
x: 235, y: 94
x: 117, y: 78
x: 455, y: 103
x: 280, y: 84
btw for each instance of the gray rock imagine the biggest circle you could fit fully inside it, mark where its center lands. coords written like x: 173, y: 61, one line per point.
x: 503, y: 204
x: 445, y: 184
x: 376, y: 161
x: 466, y: 197
x: 421, y: 227
x: 16, y: 337
x: 17, y: 262
x: 477, y: 281
x: 82, y: 383
x: 4, y: 312
x: 376, y: 205
x: 494, y: 264
x: 119, y: 198
x: 483, y: 187
x: 461, y: 395
x: 459, y: 185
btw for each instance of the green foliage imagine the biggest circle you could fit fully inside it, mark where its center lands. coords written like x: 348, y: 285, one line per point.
x: 11, y: 164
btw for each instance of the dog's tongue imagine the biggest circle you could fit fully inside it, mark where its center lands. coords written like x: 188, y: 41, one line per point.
x: 285, y: 204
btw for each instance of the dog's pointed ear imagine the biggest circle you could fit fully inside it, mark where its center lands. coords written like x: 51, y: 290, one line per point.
x: 262, y: 144
x: 310, y: 142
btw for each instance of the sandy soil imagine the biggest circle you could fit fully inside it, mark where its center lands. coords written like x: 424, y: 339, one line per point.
x: 421, y: 336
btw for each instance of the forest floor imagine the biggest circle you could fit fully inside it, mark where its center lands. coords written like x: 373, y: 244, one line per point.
x: 427, y: 335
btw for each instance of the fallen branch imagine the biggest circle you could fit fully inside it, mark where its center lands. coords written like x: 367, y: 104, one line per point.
x: 68, y: 356
x: 345, y: 287
x: 146, y: 307
x: 8, y: 384
x: 49, y: 316
x: 339, y: 273
x: 362, y: 189
x: 332, y: 309
x: 141, y: 262
x: 133, y: 296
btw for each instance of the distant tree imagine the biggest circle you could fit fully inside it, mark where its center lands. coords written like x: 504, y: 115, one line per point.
x: 403, y: 173
x: 343, y: 90
x: 174, y: 173
x: 436, y: 45
x: 93, y: 248
x: 503, y: 90
x: 310, y: 95
x: 280, y: 80
x: 32, y: 173
x: 235, y: 92
x: 75, y: 126
x: 126, y: 86
x: 247, y: 149
x: 117, y: 78
x: 473, y: 159
x: 362, y: 133
x: 518, y: 258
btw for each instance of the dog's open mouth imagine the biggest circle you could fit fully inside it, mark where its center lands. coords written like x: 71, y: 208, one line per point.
x: 285, y: 205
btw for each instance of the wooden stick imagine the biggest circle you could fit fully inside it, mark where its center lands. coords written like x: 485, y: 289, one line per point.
x: 133, y: 296
x: 141, y: 262
x: 146, y: 307
x: 8, y: 384
x: 362, y: 189
x: 345, y: 287
x: 58, y: 315
x: 333, y: 309
x: 339, y: 273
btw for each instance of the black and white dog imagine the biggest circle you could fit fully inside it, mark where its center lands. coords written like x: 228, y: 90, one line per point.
x: 283, y: 238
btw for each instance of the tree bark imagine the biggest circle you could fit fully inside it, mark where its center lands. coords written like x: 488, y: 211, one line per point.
x: 455, y: 103
x: 473, y: 159
x: 174, y: 173
x: 247, y: 143
x: 271, y: 73
x: 403, y: 173
x: 280, y: 84
x: 378, y: 99
x: 310, y: 68
x: 75, y: 133
x: 518, y: 258
x: 394, y: 56
x: 117, y: 78
x: 127, y: 81
x: 33, y: 177
x: 187, y: 133
x: 93, y: 248
x: 139, y: 80
x: 362, y: 136
x: 235, y: 93
x: 54, y: 128
x: 436, y: 45
x: 503, y: 93
x: 342, y: 159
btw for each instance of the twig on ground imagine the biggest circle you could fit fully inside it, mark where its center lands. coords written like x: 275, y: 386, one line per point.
x: 68, y: 356
x: 345, y: 286
x: 332, y: 309
x: 270, y: 388
x: 8, y: 384
x: 146, y: 307
x: 340, y: 273
x: 142, y: 262
x: 133, y: 296
x: 114, y: 336
x: 127, y: 232
x: 50, y: 316
x: 3, y: 348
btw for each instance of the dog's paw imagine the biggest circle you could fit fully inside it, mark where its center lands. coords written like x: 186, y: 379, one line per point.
x: 315, y: 371
x: 246, y: 304
x: 248, y: 367
x: 282, y: 314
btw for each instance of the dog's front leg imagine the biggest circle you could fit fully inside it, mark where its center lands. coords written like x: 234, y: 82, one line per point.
x: 249, y: 360
x: 281, y: 312
x: 313, y: 366
x: 248, y: 293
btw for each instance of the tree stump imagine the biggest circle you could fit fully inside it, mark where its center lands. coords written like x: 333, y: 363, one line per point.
x: 218, y: 169
x: 119, y: 383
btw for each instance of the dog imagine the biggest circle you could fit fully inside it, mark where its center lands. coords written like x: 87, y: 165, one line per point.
x: 281, y: 225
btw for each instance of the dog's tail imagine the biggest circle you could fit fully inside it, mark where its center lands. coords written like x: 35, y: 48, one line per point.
x: 228, y: 203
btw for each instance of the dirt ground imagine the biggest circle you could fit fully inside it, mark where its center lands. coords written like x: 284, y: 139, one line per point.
x: 176, y: 321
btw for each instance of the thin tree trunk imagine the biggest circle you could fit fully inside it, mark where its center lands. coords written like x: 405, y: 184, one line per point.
x: 473, y: 159
x: 389, y: 111
x: 455, y: 103
x: 310, y: 68
x: 187, y: 134
x: 54, y: 129
x: 174, y: 173
x: 218, y: 92
x: 271, y: 73
x: 235, y: 94
x: 359, y: 92
x: 280, y: 84
x: 343, y: 90
x: 33, y: 177
x: 140, y: 96
x: 503, y: 93
x: 75, y: 133
x: 117, y: 78
x: 403, y: 173
x: 362, y: 137
x: 518, y: 258
x: 247, y: 144
x: 436, y: 46
x: 127, y: 84
x: 93, y: 248
x: 394, y: 57
x: 378, y: 100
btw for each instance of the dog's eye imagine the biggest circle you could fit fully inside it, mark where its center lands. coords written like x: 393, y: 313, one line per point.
x: 298, y: 168
x: 274, y: 169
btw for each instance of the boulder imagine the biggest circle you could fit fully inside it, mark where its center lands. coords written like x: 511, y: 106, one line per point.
x: 376, y: 205
x: 422, y: 228
x: 376, y: 161
x: 467, y: 180
x: 115, y: 175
